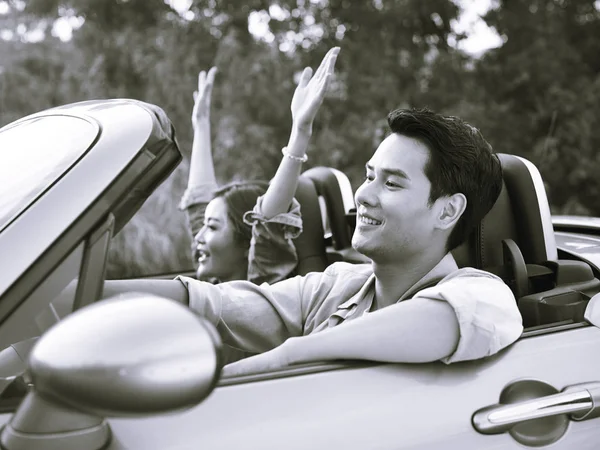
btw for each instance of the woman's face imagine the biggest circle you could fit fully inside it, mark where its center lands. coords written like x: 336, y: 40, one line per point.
x: 221, y: 256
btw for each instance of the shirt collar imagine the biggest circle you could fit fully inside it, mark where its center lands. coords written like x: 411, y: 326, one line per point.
x: 446, y: 266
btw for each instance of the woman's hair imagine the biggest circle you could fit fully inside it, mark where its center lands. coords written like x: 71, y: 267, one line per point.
x: 240, y: 197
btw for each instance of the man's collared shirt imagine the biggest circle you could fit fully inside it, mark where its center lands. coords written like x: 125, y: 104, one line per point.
x: 259, y: 318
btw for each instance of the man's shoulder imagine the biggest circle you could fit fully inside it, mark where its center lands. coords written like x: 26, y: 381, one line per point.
x: 349, y: 270
x: 468, y: 279
x: 467, y: 273
x: 341, y: 275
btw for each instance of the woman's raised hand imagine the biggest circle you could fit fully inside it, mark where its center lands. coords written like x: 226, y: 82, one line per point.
x: 310, y: 92
x: 202, y: 96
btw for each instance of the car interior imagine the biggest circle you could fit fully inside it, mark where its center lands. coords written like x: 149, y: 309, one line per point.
x: 514, y: 241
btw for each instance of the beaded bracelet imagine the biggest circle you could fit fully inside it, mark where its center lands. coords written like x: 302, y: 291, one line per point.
x: 301, y: 159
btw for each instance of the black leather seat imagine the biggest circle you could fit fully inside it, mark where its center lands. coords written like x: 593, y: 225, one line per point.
x: 521, y: 213
x: 339, y: 209
x: 310, y: 245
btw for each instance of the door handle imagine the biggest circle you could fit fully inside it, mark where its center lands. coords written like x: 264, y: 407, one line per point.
x: 581, y: 401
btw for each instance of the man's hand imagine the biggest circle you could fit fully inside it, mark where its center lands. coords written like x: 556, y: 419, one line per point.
x: 202, y: 96
x: 265, y: 362
x: 311, y: 90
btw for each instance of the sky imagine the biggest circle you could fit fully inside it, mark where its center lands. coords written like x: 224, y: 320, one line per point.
x: 479, y: 36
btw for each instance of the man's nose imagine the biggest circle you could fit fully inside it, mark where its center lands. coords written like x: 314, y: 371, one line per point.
x: 366, y: 195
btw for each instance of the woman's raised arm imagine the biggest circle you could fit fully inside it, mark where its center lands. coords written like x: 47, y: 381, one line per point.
x: 202, y: 170
x: 306, y: 101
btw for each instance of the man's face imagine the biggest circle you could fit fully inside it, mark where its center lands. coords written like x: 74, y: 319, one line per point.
x: 394, y: 220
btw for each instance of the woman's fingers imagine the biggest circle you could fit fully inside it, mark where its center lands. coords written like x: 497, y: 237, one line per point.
x: 322, y: 88
x: 201, y: 80
x: 326, y: 68
x: 323, y: 64
x: 205, y: 82
x: 332, y: 60
x: 327, y: 63
x: 305, y: 77
x: 210, y: 78
x: 330, y: 63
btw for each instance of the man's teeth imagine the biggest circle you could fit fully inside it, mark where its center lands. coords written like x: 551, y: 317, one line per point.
x: 202, y: 257
x: 369, y: 221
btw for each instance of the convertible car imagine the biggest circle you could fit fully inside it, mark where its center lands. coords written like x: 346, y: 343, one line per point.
x: 144, y: 372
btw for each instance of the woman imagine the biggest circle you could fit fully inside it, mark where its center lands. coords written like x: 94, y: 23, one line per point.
x: 244, y: 231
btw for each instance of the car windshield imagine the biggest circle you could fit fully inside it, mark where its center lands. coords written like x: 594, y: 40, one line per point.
x: 34, y: 154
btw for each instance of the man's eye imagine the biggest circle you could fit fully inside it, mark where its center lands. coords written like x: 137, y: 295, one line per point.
x: 392, y: 184
x: 369, y: 177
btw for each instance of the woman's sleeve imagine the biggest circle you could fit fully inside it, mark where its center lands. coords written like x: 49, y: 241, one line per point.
x: 272, y: 255
x: 194, y: 202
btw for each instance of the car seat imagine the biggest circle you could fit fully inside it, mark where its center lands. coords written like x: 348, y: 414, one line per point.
x: 336, y: 200
x: 515, y: 240
x: 310, y: 244
x: 521, y: 214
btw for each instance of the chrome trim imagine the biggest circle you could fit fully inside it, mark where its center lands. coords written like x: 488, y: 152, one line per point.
x: 298, y: 370
x: 587, y: 222
x: 546, y: 217
x: 500, y: 418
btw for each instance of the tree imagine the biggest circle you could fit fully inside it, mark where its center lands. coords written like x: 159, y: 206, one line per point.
x: 541, y: 93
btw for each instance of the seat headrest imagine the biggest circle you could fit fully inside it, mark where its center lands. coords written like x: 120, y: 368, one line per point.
x: 521, y: 213
x: 335, y: 189
x: 310, y: 245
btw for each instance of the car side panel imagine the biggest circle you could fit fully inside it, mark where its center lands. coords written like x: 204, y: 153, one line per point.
x: 585, y: 245
x: 393, y: 406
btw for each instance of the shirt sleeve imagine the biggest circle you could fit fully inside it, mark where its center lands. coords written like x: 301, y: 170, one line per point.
x: 272, y: 255
x: 249, y: 317
x: 488, y: 317
x: 193, y: 202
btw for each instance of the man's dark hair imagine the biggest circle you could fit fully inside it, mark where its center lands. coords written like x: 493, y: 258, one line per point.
x: 460, y: 161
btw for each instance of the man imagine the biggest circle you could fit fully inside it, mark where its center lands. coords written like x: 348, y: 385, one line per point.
x: 428, y: 184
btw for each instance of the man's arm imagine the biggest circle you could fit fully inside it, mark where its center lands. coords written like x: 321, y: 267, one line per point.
x: 249, y: 317
x: 415, y: 331
x: 463, y: 318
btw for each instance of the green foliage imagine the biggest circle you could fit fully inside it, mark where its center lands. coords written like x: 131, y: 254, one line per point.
x: 541, y: 96
x: 538, y: 95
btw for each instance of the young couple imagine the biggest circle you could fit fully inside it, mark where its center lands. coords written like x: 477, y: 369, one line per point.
x: 428, y: 184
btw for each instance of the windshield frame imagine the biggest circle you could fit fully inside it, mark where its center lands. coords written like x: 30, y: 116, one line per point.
x: 59, y: 172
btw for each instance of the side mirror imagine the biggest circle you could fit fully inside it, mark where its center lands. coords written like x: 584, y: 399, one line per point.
x: 127, y: 356
x: 592, y: 311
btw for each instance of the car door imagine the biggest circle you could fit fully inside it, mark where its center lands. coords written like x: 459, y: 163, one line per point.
x: 389, y: 406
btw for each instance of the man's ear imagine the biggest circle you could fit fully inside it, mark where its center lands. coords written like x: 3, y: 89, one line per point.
x: 453, y: 207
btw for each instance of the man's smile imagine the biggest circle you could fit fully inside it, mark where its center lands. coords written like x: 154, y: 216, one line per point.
x: 365, y: 218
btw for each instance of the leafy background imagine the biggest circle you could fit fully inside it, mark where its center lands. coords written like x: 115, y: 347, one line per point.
x: 537, y: 95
